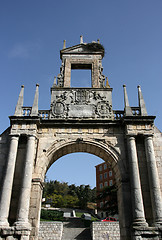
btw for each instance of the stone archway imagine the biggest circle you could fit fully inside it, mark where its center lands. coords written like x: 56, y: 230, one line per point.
x: 60, y: 148
x: 81, y: 119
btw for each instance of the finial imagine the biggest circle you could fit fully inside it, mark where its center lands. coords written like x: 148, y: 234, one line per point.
x: 18, y: 109
x: 107, y: 83
x: 81, y: 39
x: 34, y: 111
x: 98, y: 41
x: 128, y: 110
x: 64, y: 45
x: 141, y: 102
x: 54, y: 82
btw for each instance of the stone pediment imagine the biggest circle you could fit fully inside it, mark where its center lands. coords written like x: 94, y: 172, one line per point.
x: 84, y: 48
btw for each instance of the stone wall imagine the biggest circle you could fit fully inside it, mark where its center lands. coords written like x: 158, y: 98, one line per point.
x: 50, y: 230
x: 105, y: 141
x: 105, y: 230
x: 4, y: 144
x: 158, y: 152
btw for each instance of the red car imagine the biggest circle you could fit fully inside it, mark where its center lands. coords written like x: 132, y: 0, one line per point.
x: 109, y: 219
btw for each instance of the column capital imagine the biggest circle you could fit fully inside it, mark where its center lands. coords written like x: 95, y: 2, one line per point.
x: 16, y: 136
x: 150, y: 135
x: 131, y: 136
x: 31, y: 136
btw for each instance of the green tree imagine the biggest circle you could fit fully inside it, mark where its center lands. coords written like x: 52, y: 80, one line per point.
x: 57, y: 200
x: 64, y: 195
x: 71, y: 201
x: 83, y: 193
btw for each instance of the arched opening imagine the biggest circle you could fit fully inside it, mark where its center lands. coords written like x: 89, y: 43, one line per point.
x: 75, y: 168
x: 62, y: 148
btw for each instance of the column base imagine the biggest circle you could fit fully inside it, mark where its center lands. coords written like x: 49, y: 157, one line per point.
x: 4, y: 224
x: 139, y: 233
x: 158, y: 224
x: 139, y: 223
x: 20, y: 225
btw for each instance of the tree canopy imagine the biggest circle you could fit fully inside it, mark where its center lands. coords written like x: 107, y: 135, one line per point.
x: 64, y: 195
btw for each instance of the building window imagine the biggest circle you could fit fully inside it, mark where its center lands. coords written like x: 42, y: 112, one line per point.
x: 105, y: 166
x: 110, y: 182
x: 101, y: 185
x: 101, y: 177
x: 105, y: 184
x: 100, y: 168
x: 110, y: 173
x: 105, y: 175
x: 101, y: 204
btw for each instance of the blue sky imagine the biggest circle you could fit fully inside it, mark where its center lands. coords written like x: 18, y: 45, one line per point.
x: 32, y: 34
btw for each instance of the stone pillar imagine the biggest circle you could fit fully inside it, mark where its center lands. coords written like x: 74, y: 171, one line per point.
x: 24, y: 201
x: 155, y: 191
x: 136, y: 193
x: 67, y: 73
x: 35, y: 206
x: 8, y: 182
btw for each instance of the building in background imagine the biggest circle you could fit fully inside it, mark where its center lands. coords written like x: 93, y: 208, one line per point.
x: 104, y: 177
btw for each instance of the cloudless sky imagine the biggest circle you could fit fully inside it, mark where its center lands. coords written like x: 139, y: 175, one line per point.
x: 32, y: 34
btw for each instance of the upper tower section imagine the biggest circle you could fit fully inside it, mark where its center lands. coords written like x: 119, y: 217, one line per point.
x: 82, y: 56
x: 81, y: 103
x: 85, y: 103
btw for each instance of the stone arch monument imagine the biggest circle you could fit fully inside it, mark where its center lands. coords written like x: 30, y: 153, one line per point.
x: 81, y: 120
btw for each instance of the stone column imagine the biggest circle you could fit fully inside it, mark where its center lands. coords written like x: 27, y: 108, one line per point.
x: 24, y: 201
x: 155, y: 191
x: 8, y: 182
x: 136, y: 193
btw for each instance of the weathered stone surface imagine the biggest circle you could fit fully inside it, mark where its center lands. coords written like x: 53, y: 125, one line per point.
x: 105, y: 230
x: 82, y: 119
x: 81, y: 103
x: 50, y: 230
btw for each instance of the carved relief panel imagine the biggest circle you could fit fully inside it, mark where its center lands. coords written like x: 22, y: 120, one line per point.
x: 81, y: 103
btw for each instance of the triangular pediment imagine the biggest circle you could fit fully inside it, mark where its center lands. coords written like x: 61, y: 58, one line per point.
x: 84, y: 48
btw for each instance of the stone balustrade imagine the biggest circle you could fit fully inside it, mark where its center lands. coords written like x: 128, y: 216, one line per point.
x: 118, y: 114
x: 26, y: 111
x: 44, y: 114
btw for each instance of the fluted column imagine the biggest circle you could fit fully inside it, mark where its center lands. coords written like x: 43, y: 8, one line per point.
x: 155, y: 191
x: 136, y: 192
x: 24, y: 201
x: 8, y: 182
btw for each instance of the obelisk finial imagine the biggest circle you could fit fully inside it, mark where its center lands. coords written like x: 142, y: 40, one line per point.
x: 64, y: 45
x: 81, y: 39
x: 18, y: 109
x: 128, y: 110
x: 141, y: 102
x: 107, y: 83
x: 54, y: 82
x: 34, y: 111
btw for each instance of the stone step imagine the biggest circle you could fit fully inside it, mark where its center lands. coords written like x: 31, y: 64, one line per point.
x: 74, y: 229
